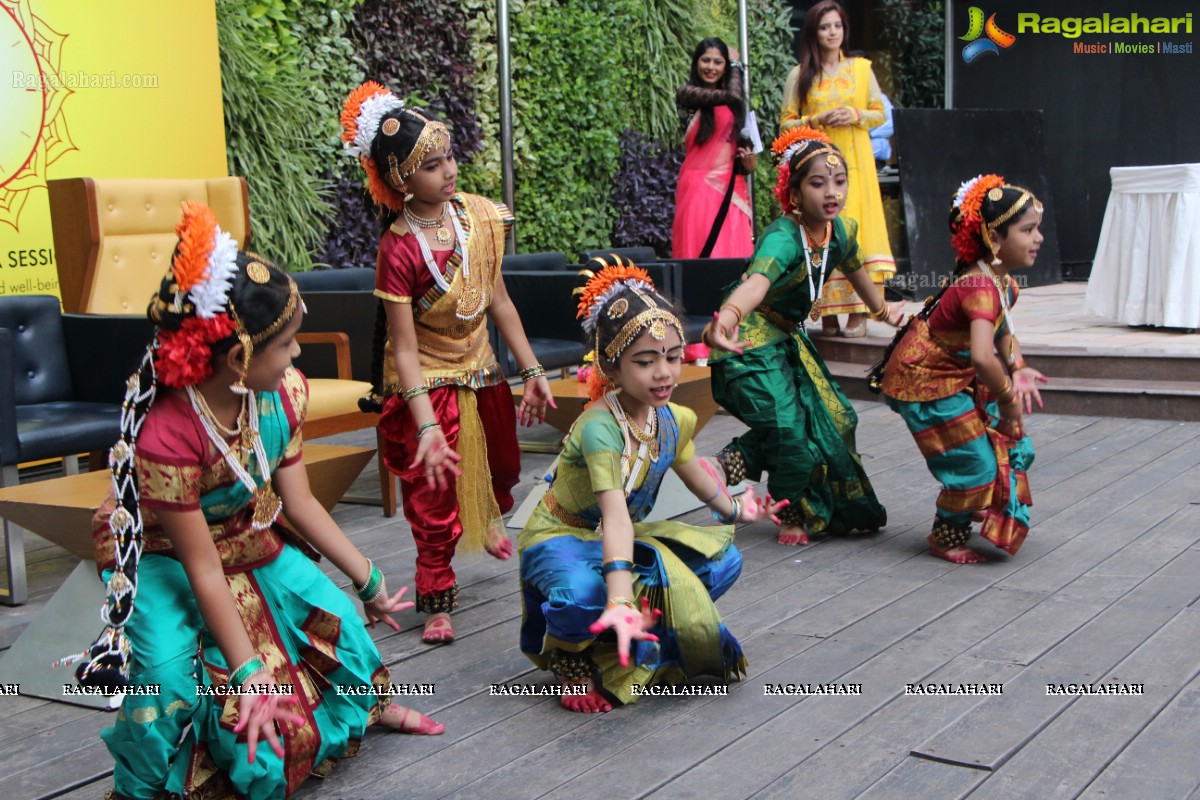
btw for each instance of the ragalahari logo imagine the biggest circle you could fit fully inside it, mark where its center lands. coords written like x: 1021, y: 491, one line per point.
x: 995, y: 40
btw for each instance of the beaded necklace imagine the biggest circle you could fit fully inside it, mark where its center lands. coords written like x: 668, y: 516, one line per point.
x: 442, y: 235
x: 632, y: 432
x: 267, y: 504
x: 815, y: 292
x: 1001, y: 290
x: 470, y: 301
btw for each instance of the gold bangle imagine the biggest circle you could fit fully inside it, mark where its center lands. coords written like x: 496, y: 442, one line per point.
x: 415, y: 391
x: 733, y: 307
x: 621, y: 601
x: 883, y: 313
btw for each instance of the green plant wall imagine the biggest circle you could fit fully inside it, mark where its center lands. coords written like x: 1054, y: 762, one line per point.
x: 282, y: 63
x: 584, y: 71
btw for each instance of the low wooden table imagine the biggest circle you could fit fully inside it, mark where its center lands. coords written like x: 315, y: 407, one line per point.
x: 570, y: 395
x: 60, y: 510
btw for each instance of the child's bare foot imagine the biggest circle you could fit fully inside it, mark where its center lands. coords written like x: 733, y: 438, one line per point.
x: 792, y: 535
x: 956, y: 555
x: 405, y: 720
x: 590, y: 703
x: 438, y: 629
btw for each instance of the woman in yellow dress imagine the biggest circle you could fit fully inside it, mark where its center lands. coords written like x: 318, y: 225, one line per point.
x: 841, y: 97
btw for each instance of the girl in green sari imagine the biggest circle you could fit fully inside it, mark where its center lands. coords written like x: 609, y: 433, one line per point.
x: 769, y: 375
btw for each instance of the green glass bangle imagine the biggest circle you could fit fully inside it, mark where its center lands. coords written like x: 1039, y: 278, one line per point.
x: 616, y: 565
x: 240, y: 675
x: 428, y: 426
x: 370, y: 589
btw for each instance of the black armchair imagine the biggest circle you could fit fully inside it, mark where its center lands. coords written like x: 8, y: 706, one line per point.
x: 702, y: 286
x: 638, y: 255
x: 64, y: 379
x: 549, y: 261
x: 547, y: 309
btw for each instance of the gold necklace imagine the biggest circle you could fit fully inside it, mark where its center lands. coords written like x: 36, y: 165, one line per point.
x: 442, y: 235
x: 207, y: 412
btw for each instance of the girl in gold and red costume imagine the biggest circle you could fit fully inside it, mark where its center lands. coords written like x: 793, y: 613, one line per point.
x: 448, y: 423
x: 956, y: 375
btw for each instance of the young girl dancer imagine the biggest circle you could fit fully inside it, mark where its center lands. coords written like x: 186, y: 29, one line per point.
x: 448, y: 413
x: 957, y: 377
x: 589, y: 563
x: 227, y: 600
x: 801, y: 425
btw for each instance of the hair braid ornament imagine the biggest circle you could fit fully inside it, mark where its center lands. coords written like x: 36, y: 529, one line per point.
x: 360, y: 118
x: 785, y: 146
x: 106, y: 661
x: 597, y: 297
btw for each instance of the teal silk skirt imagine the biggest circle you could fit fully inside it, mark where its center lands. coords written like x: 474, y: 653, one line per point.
x: 979, y: 469
x: 309, y: 634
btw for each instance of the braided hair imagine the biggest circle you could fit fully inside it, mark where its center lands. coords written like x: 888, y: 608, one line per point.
x: 236, y: 295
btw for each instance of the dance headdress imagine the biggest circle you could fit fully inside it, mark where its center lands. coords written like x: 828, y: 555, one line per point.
x: 968, y: 227
x: 371, y: 110
x: 624, y: 295
x: 786, y: 145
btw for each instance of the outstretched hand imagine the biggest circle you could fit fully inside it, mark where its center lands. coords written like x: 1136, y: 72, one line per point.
x: 1025, y: 381
x: 718, y: 338
x: 534, y: 400
x: 384, y: 606
x: 754, y: 509
x: 629, y: 625
x: 259, y: 712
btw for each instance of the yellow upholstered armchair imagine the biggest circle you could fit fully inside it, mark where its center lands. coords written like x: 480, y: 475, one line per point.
x: 113, y: 241
x: 113, y: 238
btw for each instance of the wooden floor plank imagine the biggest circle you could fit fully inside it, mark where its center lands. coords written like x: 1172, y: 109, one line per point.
x: 1067, y: 755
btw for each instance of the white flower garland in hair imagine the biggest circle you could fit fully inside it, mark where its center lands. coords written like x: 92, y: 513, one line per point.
x: 589, y: 322
x: 370, y: 114
x: 211, y: 294
x: 963, y: 188
x: 791, y: 150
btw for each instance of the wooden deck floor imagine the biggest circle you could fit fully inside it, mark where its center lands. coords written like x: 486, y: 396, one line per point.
x: 1102, y: 591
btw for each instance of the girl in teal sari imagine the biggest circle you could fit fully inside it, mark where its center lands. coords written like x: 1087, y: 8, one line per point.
x: 957, y: 376
x: 242, y: 635
x: 765, y: 370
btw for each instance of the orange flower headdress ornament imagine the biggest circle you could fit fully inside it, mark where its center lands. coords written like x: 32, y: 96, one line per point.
x: 361, y: 116
x: 969, y: 231
x: 785, y: 146
x: 202, y: 273
x: 363, y: 119
x: 600, y: 295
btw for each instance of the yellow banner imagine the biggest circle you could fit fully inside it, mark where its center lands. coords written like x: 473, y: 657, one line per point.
x: 119, y: 89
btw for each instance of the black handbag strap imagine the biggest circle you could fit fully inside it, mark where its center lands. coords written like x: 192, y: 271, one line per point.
x: 721, y: 214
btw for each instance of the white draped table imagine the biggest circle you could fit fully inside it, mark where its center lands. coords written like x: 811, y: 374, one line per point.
x: 1147, y: 266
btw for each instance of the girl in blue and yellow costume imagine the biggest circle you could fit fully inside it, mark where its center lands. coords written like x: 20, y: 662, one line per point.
x: 231, y: 610
x: 588, y: 558
x: 801, y: 425
x: 957, y: 377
